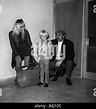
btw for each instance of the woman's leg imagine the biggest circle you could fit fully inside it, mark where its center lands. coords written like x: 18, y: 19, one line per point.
x: 26, y: 60
x: 18, y: 67
x: 18, y: 61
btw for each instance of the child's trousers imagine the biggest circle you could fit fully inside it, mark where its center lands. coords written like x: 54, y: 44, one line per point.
x: 44, y: 70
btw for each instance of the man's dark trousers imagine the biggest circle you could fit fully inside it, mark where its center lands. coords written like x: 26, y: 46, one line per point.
x: 68, y: 66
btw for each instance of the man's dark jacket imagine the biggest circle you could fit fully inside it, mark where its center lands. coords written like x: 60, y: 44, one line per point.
x: 69, y: 49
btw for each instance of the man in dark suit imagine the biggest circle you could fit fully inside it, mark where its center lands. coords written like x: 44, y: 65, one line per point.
x: 63, y: 56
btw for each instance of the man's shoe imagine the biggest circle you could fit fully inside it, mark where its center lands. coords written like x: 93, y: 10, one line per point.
x: 55, y: 78
x: 40, y: 83
x: 46, y: 85
x: 68, y: 81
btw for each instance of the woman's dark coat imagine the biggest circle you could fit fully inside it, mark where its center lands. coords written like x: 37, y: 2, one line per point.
x: 23, y: 48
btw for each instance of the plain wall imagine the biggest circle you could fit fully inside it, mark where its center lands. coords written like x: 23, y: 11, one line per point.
x: 37, y: 14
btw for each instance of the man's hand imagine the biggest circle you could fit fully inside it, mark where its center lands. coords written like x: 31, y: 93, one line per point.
x: 58, y: 63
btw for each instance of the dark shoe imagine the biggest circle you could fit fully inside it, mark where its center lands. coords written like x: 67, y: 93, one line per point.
x: 55, y: 78
x: 68, y: 81
x: 16, y: 83
x: 40, y: 83
x: 56, y: 74
x: 46, y: 85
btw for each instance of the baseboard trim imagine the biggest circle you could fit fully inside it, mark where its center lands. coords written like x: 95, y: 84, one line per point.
x: 7, y: 81
x: 76, y: 73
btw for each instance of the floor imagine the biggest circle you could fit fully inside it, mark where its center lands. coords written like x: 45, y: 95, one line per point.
x: 82, y: 90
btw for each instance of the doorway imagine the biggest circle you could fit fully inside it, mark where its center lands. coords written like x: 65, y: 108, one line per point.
x: 89, y: 40
x: 68, y: 16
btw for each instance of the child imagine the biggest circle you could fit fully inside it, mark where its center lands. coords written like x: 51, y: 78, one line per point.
x: 43, y: 56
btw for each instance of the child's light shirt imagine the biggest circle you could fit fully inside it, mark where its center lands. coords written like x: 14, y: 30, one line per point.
x: 44, y: 50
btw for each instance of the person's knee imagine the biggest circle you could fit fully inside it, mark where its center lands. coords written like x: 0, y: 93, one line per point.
x: 18, y: 61
x: 69, y: 63
x: 52, y: 65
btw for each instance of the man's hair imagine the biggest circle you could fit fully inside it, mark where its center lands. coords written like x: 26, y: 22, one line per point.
x: 61, y: 31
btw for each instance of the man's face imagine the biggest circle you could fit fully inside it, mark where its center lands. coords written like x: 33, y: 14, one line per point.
x: 60, y: 36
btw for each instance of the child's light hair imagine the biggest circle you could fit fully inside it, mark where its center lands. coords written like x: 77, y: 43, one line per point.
x: 44, y: 33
